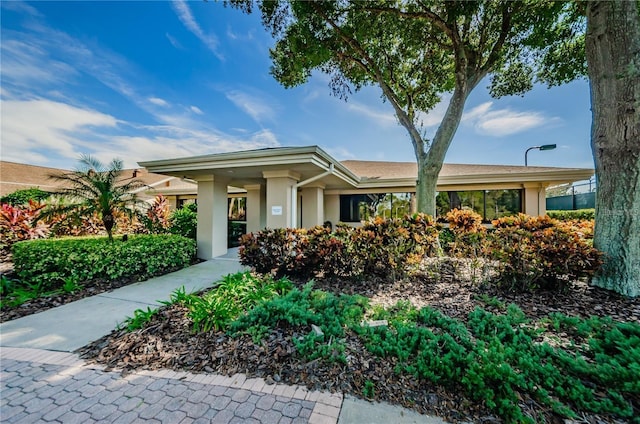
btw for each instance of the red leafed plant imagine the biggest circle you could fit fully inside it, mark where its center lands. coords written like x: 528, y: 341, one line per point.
x: 19, y: 223
x: 157, y: 217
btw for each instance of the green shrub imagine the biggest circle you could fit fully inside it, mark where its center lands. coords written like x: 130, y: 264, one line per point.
x: 540, y: 252
x: 581, y: 214
x: 301, y: 308
x: 22, y: 197
x: 48, y: 263
x: 184, y: 222
x: 234, y: 295
x: 494, y: 358
x: 381, y: 247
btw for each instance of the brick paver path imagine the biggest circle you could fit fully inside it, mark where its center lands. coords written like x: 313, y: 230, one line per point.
x: 45, y: 386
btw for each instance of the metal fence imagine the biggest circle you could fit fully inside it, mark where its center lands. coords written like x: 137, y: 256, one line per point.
x: 582, y: 196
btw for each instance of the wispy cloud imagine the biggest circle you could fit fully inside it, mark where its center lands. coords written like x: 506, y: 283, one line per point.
x: 20, y: 6
x: 40, y: 129
x: 232, y: 35
x: 380, y: 117
x: 503, y: 122
x: 46, y: 118
x: 158, y: 101
x: 175, y: 43
x: 196, y: 110
x: 32, y: 127
x: 252, y: 104
x: 189, y: 21
x: 340, y: 153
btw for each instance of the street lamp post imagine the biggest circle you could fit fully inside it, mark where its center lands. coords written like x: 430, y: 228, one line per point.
x: 543, y: 147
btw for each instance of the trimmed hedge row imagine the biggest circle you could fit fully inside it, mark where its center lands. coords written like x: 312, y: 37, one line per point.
x: 581, y: 214
x: 527, y: 252
x: 381, y: 248
x: 48, y: 264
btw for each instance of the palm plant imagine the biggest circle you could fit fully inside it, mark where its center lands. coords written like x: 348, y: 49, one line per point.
x: 94, y: 188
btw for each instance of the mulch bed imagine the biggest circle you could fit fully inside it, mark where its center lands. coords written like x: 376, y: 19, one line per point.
x: 90, y: 288
x: 168, y: 342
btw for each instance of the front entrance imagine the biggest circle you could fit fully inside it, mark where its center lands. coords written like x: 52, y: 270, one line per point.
x: 236, y: 220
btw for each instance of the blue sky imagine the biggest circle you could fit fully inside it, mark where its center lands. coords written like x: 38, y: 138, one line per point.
x: 154, y: 80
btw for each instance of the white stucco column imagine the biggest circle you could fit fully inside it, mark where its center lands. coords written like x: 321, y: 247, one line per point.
x: 280, y: 185
x: 332, y: 208
x: 312, y: 205
x: 535, y: 202
x: 212, y: 217
x: 256, y: 208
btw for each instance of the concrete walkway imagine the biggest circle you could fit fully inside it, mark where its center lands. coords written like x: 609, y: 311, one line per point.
x: 42, y: 381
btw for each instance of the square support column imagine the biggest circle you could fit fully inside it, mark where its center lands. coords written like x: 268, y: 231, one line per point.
x: 280, y: 187
x: 256, y: 208
x: 332, y: 208
x: 312, y: 205
x: 212, y: 217
x: 535, y: 199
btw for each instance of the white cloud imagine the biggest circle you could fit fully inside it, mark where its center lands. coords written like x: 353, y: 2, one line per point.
x: 477, y: 112
x: 22, y: 63
x: 503, y: 122
x: 32, y: 127
x: 382, y: 118
x: 232, y: 35
x: 252, y: 105
x: 196, y: 110
x: 20, y: 6
x: 175, y: 43
x: 34, y: 131
x: 188, y: 20
x: 158, y: 101
x: 340, y: 153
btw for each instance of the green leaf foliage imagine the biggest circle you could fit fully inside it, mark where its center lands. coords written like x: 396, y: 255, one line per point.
x: 417, y: 51
x: 496, y: 357
x: 95, y: 188
x: 184, y: 221
x: 301, y: 308
x: 581, y: 214
x: 234, y: 295
x: 49, y: 263
x: 22, y: 197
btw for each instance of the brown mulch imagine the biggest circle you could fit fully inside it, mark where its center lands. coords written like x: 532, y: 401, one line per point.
x: 88, y: 288
x: 168, y: 342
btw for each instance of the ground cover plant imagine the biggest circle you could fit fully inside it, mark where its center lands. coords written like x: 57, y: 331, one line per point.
x: 56, y: 270
x: 494, y: 360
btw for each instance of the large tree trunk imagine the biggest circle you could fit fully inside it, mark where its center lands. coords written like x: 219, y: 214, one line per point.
x: 430, y: 165
x: 613, y: 58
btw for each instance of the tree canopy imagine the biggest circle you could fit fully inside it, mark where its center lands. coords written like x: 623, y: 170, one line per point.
x: 418, y: 50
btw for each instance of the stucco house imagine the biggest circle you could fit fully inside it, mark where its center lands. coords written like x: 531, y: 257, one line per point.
x: 305, y: 186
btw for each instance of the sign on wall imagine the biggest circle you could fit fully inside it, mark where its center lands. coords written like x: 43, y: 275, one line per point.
x: 276, y: 210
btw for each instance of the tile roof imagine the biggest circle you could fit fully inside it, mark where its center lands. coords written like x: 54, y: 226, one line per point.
x: 392, y: 170
x: 18, y: 176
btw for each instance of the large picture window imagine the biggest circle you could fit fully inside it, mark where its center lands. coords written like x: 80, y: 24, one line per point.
x: 490, y: 204
x: 360, y: 207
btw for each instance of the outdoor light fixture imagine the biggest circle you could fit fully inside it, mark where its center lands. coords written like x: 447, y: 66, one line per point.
x: 543, y: 147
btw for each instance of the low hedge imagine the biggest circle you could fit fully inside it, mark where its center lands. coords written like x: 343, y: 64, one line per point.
x: 527, y: 252
x: 581, y: 214
x: 49, y: 263
x: 379, y: 248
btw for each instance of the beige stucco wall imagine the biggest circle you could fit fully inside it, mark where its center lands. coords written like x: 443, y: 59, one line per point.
x: 312, y: 206
x: 256, y: 208
x: 212, y: 217
x: 332, y: 208
x: 534, y: 199
x: 280, y: 185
